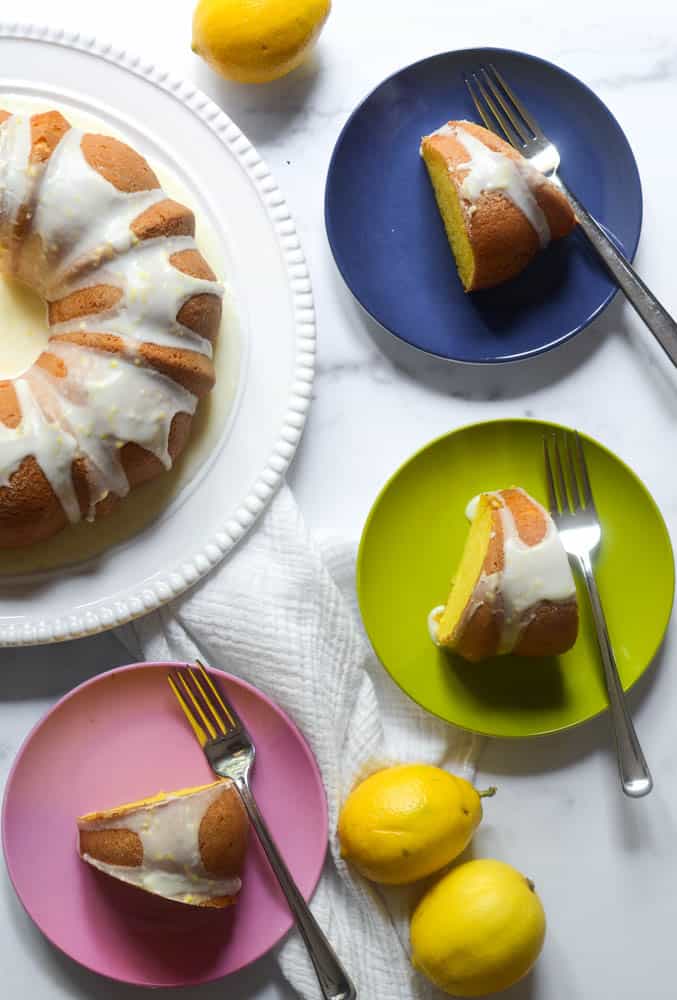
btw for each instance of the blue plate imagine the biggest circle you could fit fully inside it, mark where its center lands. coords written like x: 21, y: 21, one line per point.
x: 388, y: 239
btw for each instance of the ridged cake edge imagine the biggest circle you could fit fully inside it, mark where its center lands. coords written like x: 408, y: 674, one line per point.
x: 166, y: 588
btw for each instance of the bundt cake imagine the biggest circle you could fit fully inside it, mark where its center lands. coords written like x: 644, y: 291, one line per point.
x: 514, y: 591
x: 188, y: 845
x: 497, y: 209
x: 133, y: 311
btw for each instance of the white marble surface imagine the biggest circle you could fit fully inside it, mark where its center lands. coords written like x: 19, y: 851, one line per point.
x: 606, y: 867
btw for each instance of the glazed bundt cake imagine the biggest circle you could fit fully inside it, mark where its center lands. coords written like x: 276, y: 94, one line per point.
x: 133, y: 311
x: 187, y: 846
x: 497, y: 209
x: 514, y: 591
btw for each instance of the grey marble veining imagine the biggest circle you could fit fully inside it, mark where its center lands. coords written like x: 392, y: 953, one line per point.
x: 605, y: 867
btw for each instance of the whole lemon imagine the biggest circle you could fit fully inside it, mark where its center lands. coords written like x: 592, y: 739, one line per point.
x: 478, y: 930
x: 404, y: 822
x: 254, y: 41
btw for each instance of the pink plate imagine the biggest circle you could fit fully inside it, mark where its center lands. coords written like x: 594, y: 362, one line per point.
x: 120, y: 737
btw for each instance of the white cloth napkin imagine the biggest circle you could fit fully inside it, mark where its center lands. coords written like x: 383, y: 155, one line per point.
x: 281, y: 613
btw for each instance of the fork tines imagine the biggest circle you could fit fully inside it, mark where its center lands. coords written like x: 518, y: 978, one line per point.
x: 566, y: 473
x: 208, y: 711
x: 495, y: 99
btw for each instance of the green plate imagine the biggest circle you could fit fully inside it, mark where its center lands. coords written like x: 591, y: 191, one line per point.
x: 412, y: 543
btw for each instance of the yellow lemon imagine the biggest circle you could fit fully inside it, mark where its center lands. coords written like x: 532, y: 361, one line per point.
x: 405, y: 822
x: 478, y: 930
x: 254, y: 41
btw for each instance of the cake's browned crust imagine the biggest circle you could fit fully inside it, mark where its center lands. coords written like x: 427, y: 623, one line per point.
x: 557, y: 210
x: 140, y: 465
x: 29, y: 510
x: 118, y: 163
x: 166, y: 218
x: 503, y: 240
x: 193, y: 263
x: 552, y: 629
x: 10, y: 410
x: 219, y: 902
x: 530, y: 522
x: 223, y: 835
x: 52, y: 365
x: 46, y: 132
x: 202, y: 314
x: 190, y: 369
x: 113, y: 847
x: 84, y: 302
x: 480, y: 635
x: 222, y: 840
x: 549, y: 629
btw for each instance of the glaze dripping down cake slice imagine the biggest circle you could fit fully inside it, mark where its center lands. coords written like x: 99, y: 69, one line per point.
x: 187, y: 845
x: 513, y: 590
x: 498, y: 211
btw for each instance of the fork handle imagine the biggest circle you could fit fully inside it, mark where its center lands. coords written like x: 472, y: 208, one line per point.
x: 333, y: 979
x: 632, y: 767
x: 645, y: 303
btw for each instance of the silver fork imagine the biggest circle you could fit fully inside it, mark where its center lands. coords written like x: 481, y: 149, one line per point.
x: 573, y: 510
x: 504, y: 114
x: 231, y: 754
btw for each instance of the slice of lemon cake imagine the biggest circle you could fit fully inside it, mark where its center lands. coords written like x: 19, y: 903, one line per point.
x: 514, y: 591
x: 187, y: 845
x: 497, y: 209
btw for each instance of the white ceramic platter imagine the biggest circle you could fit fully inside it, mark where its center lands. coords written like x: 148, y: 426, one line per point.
x: 172, y: 123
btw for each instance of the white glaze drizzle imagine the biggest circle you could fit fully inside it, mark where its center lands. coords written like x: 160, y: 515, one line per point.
x: 530, y: 574
x: 153, y: 292
x: 16, y: 174
x: 104, y: 401
x: 434, y: 623
x: 80, y: 215
x: 172, y: 865
x: 491, y: 171
x: 40, y: 435
x: 471, y: 507
x: 446, y: 129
